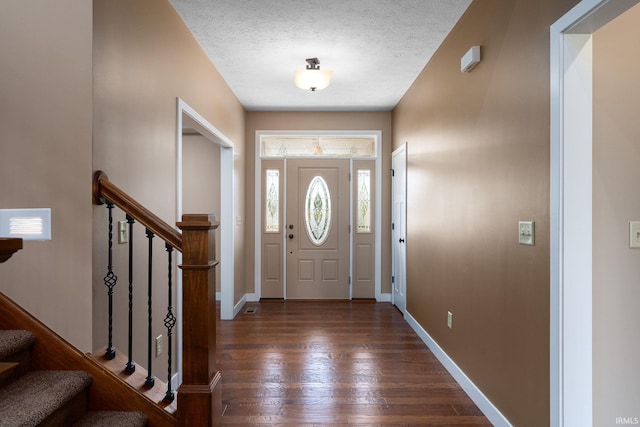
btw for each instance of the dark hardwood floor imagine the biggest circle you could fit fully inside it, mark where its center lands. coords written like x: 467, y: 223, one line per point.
x: 309, y: 363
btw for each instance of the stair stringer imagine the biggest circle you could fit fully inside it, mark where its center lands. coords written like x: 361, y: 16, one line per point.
x: 52, y: 352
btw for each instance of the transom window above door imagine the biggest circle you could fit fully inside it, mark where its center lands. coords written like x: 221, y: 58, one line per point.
x: 318, y: 146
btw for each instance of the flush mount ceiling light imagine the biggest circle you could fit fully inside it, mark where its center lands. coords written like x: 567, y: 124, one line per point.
x: 312, y: 78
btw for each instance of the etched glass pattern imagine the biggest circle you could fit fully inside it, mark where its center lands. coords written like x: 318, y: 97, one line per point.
x: 364, y: 201
x: 317, y: 211
x: 272, y: 208
x: 282, y: 146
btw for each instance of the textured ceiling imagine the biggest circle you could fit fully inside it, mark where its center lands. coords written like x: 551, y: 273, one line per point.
x: 376, y: 48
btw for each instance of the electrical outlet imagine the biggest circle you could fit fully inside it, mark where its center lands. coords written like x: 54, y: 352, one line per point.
x: 158, y: 345
x: 449, y: 320
x: 123, y: 232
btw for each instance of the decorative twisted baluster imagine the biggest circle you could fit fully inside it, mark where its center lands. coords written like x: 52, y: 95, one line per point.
x: 110, y: 281
x: 130, y: 367
x: 169, y: 323
x: 150, y: 381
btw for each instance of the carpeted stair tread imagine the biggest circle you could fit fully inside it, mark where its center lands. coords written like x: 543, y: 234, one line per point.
x: 32, y: 398
x: 13, y: 341
x: 113, y: 418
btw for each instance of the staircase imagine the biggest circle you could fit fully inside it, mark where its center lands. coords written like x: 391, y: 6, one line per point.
x: 48, y: 397
x: 46, y: 381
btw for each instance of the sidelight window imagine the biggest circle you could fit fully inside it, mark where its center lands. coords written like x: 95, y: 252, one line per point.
x: 272, y: 208
x: 364, y: 201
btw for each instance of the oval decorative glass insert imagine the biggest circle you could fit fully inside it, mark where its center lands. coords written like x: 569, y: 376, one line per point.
x: 317, y: 210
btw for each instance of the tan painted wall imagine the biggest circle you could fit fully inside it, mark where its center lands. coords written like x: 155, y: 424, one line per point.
x: 616, y: 201
x: 201, y: 175
x: 478, y: 162
x: 320, y: 121
x: 45, y: 157
x: 201, y: 181
x: 144, y: 58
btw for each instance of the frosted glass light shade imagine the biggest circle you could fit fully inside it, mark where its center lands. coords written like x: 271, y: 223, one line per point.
x: 312, y: 79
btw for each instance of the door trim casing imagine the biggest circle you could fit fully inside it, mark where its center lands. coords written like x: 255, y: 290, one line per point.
x: 571, y: 171
x: 401, y: 150
x: 377, y: 135
x: 226, y: 250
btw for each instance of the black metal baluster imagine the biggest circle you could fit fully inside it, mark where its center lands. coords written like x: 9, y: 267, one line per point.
x: 130, y: 367
x: 110, y: 281
x: 169, y: 323
x: 150, y: 381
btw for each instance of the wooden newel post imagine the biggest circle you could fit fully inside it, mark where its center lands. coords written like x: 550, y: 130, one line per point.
x: 200, y: 395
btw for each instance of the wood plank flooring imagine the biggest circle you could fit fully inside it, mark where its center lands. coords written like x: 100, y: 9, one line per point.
x: 309, y: 363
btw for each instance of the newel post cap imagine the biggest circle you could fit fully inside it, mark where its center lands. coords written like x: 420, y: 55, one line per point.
x: 198, y: 222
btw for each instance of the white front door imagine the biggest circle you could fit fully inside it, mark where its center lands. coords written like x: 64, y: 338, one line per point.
x: 317, y: 229
x: 399, y: 227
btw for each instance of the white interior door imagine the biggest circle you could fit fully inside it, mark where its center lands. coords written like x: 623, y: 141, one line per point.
x: 399, y: 227
x: 317, y: 229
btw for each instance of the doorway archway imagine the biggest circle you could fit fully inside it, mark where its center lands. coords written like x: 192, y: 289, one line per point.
x: 187, y: 116
x: 571, y: 346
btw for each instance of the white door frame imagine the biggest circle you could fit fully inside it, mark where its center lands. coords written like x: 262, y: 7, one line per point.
x: 571, y: 210
x: 400, y: 151
x: 225, y: 252
x: 377, y: 135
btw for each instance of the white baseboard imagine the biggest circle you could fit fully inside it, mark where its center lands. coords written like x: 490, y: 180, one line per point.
x: 175, y: 382
x: 485, y: 405
x: 239, y: 305
x: 384, y: 298
x: 245, y: 299
x: 252, y: 297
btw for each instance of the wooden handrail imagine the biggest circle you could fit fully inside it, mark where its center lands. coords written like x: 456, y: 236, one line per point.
x: 103, y: 190
x: 199, y: 396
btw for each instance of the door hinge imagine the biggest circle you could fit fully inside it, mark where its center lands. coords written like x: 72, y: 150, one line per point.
x: 393, y: 279
x: 349, y: 176
x: 349, y: 228
x: 349, y: 279
x: 393, y: 172
x: 393, y: 226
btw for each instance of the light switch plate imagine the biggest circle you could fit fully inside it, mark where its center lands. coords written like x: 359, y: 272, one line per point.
x: 634, y: 234
x: 526, y: 233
